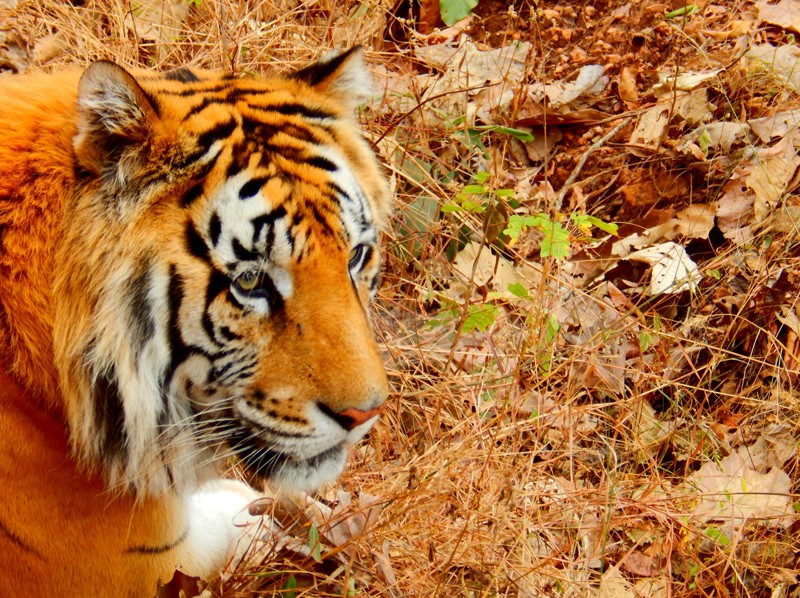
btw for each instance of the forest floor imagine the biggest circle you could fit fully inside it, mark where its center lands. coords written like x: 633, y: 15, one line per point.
x: 590, y: 309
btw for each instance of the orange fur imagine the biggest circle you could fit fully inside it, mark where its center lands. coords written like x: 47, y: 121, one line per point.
x: 76, y: 520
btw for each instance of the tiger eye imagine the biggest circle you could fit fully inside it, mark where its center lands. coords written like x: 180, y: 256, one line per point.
x: 248, y: 281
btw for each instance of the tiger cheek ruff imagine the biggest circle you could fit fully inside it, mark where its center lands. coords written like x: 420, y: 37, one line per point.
x: 185, y: 264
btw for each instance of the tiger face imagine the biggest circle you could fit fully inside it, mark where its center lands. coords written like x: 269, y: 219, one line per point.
x: 222, y: 249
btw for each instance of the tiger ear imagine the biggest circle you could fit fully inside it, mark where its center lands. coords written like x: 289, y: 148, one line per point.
x: 114, y: 115
x: 343, y: 75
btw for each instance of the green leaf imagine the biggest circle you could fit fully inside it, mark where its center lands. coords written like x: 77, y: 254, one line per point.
x: 290, y: 586
x: 453, y: 11
x: 556, y: 241
x: 645, y: 340
x: 451, y: 207
x: 585, y: 221
x: 314, y: 544
x: 683, y: 11
x: 518, y: 133
x: 525, y: 136
x: 704, y: 141
x: 480, y: 317
x: 473, y: 206
x: 517, y: 223
x: 717, y: 535
x: 443, y: 318
x: 504, y: 192
x: 481, y: 177
x: 474, y: 189
x: 518, y: 290
x: 552, y: 329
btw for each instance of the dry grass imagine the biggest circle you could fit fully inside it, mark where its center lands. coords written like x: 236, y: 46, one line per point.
x: 523, y: 460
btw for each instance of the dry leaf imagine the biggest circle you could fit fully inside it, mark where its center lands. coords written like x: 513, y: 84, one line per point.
x: 785, y: 13
x: 781, y: 61
x: 181, y: 586
x: 614, y: 585
x: 159, y: 21
x: 475, y: 66
x: 650, y: 126
x: 494, y: 272
x: 721, y: 134
x: 626, y: 86
x: 771, y: 175
x: 544, y: 140
x: 590, y: 81
x: 777, y: 125
x: 786, y: 219
x: 653, y: 588
x: 776, y: 445
x: 639, y: 564
x: 669, y: 84
x: 49, y: 47
x: 537, y: 115
x: 732, y: 491
x: 696, y: 221
x: 735, y: 211
x: 647, y: 429
x: 694, y: 107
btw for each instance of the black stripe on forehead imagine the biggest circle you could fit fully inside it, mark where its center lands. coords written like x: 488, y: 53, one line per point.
x: 242, y: 253
x: 327, y: 229
x: 214, y: 228
x: 251, y: 188
x: 197, y: 246
x: 295, y: 109
x: 184, y: 75
x: 220, y: 131
x: 322, y: 163
x: 192, y: 195
x: 260, y: 222
x: 264, y: 132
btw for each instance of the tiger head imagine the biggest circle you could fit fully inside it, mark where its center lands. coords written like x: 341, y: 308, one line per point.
x: 213, y: 273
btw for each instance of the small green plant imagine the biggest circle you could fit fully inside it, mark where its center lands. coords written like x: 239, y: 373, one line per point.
x: 453, y: 11
x: 288, y: 589
x: 683, y: 11
x: 556, y: 237
x: 552, y: 328
x: 717, y: 535
x: 480, y: 316
x: 314, y: 544
x: 645, y: 340
x: 476, y: 198
x: 556, y: 242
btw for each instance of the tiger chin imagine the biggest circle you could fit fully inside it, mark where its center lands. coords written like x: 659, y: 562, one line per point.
x: 186, y: 260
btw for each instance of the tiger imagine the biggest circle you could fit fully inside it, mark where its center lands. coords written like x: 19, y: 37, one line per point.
x: 186, y: 264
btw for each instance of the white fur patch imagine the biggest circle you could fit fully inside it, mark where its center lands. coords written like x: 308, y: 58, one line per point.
x: 220, y: 527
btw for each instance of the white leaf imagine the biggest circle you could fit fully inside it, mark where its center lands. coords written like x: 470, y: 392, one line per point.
x: 673, y: 269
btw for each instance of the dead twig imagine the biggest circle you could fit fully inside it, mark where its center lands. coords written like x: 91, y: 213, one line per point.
x: 577, y: 170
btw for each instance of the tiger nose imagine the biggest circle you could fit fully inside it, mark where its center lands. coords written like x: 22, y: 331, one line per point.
x: 350, y: 418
